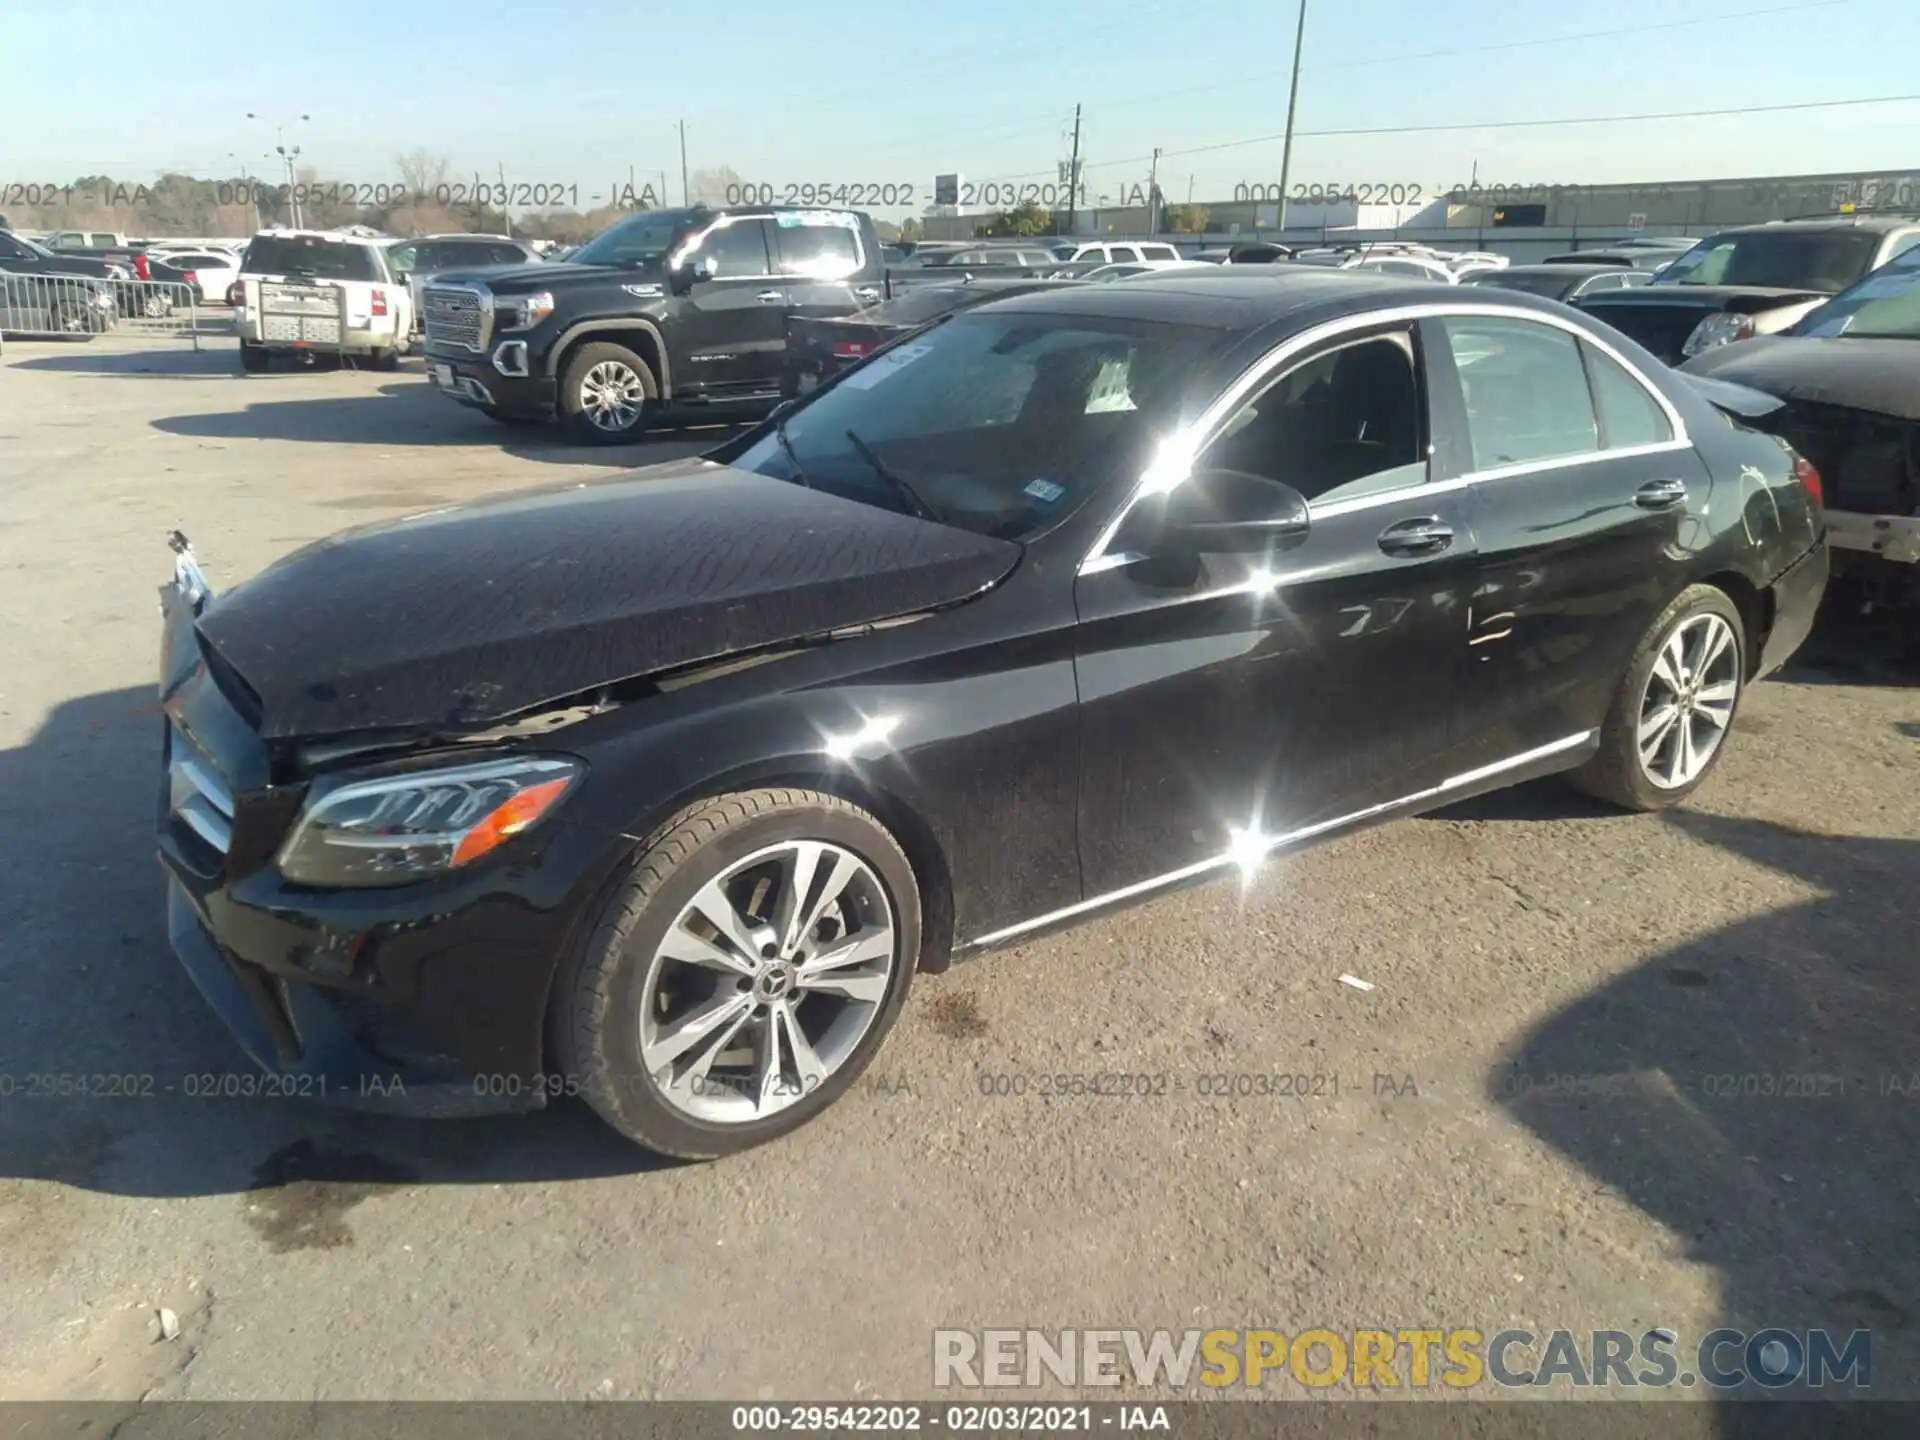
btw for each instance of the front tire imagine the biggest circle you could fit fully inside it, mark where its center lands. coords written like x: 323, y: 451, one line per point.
x: 745, y: 973
x: 1670, y: 718
x: 607, y: 394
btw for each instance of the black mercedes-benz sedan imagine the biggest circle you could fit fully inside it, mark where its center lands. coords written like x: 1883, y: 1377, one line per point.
x: 660, y: 789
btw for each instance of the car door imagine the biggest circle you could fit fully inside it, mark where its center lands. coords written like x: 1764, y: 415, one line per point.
x: 823, y: 262
x: 731, y: 326
x: 1587, y: 496
x: 1280, y: 691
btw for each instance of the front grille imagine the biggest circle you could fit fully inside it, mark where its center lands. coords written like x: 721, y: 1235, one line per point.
x: 456, y: 315
x: 1663, y: 329
x: 198, y: 797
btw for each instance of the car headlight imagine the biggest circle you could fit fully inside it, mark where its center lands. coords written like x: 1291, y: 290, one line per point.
x: 521, y: 312
x: 1718, y: 330
x: 396, y: 829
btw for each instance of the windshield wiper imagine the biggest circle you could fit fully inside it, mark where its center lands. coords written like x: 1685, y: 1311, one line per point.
x: 786, y: 448
x: 899, y: 483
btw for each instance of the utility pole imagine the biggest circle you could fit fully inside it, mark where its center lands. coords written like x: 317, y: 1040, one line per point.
x: 1293, y: 98
x: 506, y: 194
x: 288, y: 156
x: 686, y: 195
x: 1153, y: 194
x: 1073, y: 176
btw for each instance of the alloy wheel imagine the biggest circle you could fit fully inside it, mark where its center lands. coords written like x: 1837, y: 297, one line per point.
x: 612, y: 396
x: 1688, y: 702
x: 767, y: 981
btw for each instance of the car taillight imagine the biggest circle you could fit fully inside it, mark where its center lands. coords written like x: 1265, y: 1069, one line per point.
x: 379, y: 302
x: 851, y: 349
x: 1808, y: 474
x: 192, y: 278
x: 140, y: 266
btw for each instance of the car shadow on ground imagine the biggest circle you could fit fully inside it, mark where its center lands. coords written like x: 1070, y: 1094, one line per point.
x: 407, y: 412
x: 91, y: 998
x: 179, y: 362
x: 1757, y: 1092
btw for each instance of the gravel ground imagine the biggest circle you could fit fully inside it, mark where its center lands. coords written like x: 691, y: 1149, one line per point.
x: 1570, y: 1100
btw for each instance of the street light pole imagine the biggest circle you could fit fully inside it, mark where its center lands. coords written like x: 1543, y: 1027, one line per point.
x: 1293, y: 98
x: 686, y: 197
x: 1153, y: 194
x: 287, y: 156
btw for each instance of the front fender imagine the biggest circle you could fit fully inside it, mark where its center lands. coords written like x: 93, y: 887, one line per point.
x: 564, y: 341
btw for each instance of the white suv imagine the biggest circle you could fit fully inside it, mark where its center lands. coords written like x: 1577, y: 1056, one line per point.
x: 307, y: 291
x: 1129, y: 252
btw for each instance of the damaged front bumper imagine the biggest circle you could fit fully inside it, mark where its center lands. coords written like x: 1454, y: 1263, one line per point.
x: 426, y: 999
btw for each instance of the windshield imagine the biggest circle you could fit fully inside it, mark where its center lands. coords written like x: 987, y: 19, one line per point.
x: 1000, y: 422
x: 1885, y: 305
x: 643, y: 240
x: 310, y: 255
x: 1551, y: 286
x: 1780, y: 259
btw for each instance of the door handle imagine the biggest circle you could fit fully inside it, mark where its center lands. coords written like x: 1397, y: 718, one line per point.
x: 768, y: 296
x: 868, y: 292
x: 1427, y: 535
x: 1660, y: 494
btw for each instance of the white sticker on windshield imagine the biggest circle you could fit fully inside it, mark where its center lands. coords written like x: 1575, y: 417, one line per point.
x: 881, y: 366
x: 788, y: 219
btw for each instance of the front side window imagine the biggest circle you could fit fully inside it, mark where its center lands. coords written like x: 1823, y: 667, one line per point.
x: 735, y: 250
x: 819, y: 251
x: 1001, y: 422
x: 1525, y: 390
x: 1343, y: 424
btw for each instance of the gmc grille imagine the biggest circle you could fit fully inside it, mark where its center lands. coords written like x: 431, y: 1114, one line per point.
x: 456, y: 315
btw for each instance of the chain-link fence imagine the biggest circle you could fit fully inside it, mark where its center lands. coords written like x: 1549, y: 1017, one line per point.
x: 37, y: 306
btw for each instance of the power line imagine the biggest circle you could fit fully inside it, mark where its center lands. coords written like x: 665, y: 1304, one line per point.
x: 1490, y: 125
x: 1503, y: 46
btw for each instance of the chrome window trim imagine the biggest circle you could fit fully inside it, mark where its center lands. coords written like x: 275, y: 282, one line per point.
x: 1278, y: 842
x: 1181, y: 449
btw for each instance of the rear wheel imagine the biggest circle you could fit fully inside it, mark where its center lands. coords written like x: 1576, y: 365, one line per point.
x: 606, y: 394
x: 385, y: 359
x: 1670, y: 717
x: 746, y: 973
x: 254, y: 359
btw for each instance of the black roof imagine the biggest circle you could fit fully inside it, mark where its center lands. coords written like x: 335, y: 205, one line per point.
x: 1862, y: 220
x: 1562, y: 271
x: 1243, y: 303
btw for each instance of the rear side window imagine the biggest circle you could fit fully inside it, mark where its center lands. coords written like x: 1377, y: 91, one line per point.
x: 822, y: 252
x: 1628, y: 414
x: 1159, y: 252
x: 310, y: 256
x: 736, y: 250
x: 1123, y: 252
x: 1525, y: 390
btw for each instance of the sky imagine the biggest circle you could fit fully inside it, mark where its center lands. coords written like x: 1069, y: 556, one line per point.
x: 582, y: 93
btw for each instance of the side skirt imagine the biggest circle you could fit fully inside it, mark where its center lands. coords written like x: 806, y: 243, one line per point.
x: 1248, y: 849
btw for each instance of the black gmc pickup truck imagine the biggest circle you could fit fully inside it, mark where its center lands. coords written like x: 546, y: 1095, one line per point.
x: 668, y: 311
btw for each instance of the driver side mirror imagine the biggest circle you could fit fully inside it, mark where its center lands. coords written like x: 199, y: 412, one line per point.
x: 684, y: 276
x: 1214, y: 512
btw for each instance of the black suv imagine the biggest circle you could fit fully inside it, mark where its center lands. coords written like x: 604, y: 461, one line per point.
x: 1754, y: 280
x: 670, y: 308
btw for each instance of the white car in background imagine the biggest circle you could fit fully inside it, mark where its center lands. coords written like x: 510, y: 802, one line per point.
x: 303, y: 292
x: 214, y: 271
x: 1120, y: 252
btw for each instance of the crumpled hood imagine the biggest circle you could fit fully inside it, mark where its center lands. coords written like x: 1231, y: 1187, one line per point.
x: 1878, y: 375
x: 466, y: 616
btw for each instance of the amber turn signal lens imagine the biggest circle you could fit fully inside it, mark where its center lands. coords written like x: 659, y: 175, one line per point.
x: 508, y: 819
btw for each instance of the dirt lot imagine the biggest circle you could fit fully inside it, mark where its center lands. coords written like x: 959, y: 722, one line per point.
x: 1592, y: 1028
